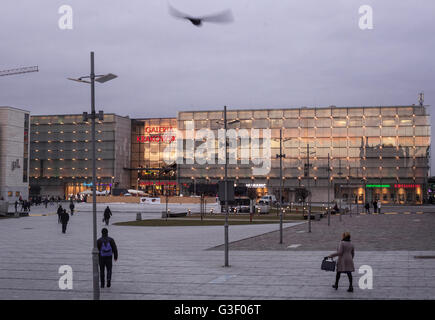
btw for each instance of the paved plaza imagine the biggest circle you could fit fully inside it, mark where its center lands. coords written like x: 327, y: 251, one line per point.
x: 187, y: 262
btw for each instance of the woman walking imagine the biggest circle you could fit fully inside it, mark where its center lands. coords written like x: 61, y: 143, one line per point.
x: 345, y: 255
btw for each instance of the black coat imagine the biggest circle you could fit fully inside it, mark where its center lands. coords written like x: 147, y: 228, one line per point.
x: 64, y: 217
x: 107, y: 213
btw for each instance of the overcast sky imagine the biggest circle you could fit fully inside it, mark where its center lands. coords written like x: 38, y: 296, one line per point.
x: 280, y: 53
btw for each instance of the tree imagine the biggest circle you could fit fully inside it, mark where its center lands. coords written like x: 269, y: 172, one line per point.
x: 302, y: 194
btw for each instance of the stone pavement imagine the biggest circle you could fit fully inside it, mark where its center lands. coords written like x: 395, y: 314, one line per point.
x: 374, y: 232
x: 174, y: 263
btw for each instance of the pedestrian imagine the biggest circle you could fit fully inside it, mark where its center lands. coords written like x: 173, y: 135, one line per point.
x: 106, y: 248
x: 345, y: 254
x: 107, y: 214
x: 16, y: 206
x: 64, y: 218
x: 375, y: 206
x: 59, y: 213
x: 379, y: 206
x: 336, y: 209
x: 45, y: 202
x: 367, y: 206
x: 71, y: 207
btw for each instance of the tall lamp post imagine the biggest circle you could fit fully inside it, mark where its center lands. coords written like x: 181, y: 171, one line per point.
x: 226, y: 123
x: 280, y: 156
x: 329, y: 187
x: 307, y: 174
x: 93, y: 116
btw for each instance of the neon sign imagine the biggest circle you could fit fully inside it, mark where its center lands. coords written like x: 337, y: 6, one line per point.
x: 157, y: 183
x: 377, y: 186
x: 157, y: 134
x: 411, y: 185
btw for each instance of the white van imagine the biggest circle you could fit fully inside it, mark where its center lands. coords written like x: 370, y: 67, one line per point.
x: 268, y: 199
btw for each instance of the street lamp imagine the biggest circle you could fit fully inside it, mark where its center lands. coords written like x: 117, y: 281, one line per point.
x: 226, y: 123
x: 280, y: 156
x: 307, y: 174
x: 93, y: 116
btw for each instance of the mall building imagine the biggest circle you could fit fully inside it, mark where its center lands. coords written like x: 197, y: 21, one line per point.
x: 61, y: 154
x: 373, y: 153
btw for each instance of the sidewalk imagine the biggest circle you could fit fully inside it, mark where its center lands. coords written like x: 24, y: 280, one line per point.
x: 174, y: 263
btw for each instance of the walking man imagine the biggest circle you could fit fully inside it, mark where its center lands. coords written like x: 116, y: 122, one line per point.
x: 367, y: 206
x: 71, y: 207
x: 375, y: 206
x: 59, y: 213
x: 379, y: 206
x: 107, y: 215
x: 106, y: 248
x: 64, y: 218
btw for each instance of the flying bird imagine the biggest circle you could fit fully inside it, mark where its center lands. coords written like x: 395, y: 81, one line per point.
x: 220, y: 17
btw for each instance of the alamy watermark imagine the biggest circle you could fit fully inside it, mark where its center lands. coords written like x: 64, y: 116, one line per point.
x: 202, y: 147
x: 66, y: 280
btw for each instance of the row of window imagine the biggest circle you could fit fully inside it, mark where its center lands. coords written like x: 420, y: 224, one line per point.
x: 304, y: 112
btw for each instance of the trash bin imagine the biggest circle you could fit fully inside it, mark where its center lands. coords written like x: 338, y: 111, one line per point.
x: 138, y: 216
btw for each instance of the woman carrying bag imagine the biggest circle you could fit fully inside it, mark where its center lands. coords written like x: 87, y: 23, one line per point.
x: 345, y: 255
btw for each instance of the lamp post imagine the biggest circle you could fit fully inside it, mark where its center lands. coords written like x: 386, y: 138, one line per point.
x: 280, y: 156
x: 329, y: 187
x: 93, y: 116
x: 226, y: 185
x: 307, y: 174
x: 339, y: 185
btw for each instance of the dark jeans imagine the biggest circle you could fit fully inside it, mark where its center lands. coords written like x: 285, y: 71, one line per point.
x: 105, y: 262
x: 349, y: 275
x: 106, y: 220
x: 64, y: 227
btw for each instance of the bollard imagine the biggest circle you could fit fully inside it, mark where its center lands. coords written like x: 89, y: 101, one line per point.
x: 138, y: 216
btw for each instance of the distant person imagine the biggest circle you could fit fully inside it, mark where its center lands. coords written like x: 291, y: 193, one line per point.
x: 71, y: 207
x: 106, y: 248
x: 46, y: 201
x: 64, y: 218
x: 107, y: 215
x: 367, y: 206
x: 379, y: 206
x: 336, y: 209
x: 375, y: 206
x: 16, y: 206
x: 59, y: 213
x: 345, y: 254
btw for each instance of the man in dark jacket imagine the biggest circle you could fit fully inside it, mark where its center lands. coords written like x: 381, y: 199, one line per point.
x: 106, y: 249
x: 71, y: 207
x: 59, y: 213
x: 64, y: 218
x: 107, y: 215
x: 375, y: 206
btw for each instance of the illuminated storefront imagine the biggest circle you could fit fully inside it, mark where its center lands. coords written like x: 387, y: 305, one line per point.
x: 150, y: 138
x: 366, y: 146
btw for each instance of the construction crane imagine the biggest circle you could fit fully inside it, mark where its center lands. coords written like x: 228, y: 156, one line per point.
x: 19, y: 71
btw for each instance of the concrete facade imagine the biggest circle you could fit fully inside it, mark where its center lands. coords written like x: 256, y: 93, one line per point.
x: 14, y: 151
x: 61, y: 154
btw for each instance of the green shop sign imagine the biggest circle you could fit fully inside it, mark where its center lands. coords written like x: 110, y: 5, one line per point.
x: 377, y: 186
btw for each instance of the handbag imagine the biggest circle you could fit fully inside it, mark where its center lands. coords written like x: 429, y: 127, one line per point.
x: 328, y: 265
